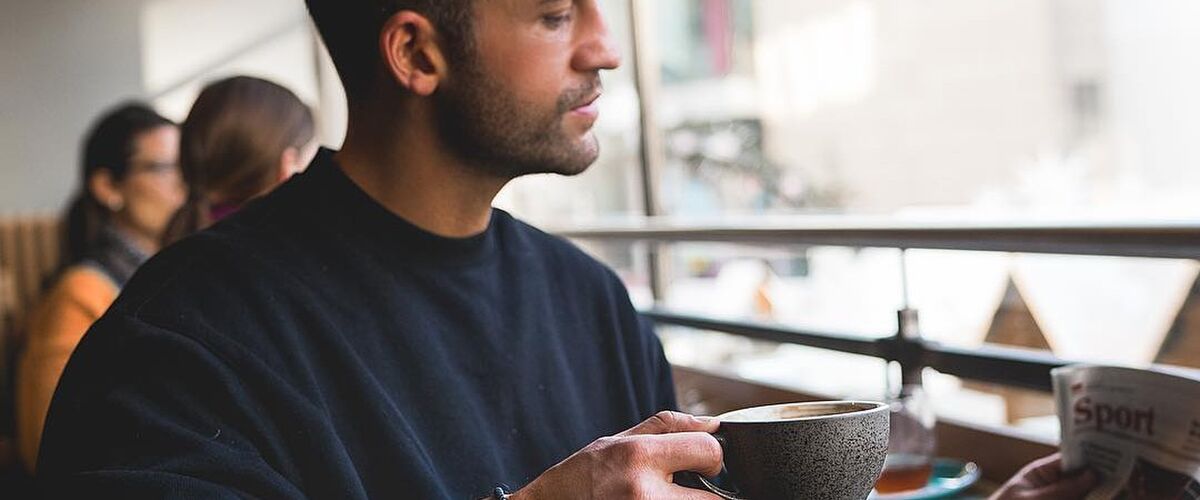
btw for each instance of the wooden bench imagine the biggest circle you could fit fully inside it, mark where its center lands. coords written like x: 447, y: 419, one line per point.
x: 29, y: 253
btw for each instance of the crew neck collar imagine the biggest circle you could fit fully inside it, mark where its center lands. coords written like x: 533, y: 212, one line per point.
x: 366, y: 213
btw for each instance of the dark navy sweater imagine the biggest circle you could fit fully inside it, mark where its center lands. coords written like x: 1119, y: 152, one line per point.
x: 315, y: 345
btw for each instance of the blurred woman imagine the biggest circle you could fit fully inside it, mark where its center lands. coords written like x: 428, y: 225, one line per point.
x: 130, y: 187
x: 243, y: 137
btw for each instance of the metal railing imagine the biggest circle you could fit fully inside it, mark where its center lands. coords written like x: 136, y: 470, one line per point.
x: 1000, y: 365
x: 1178, y: 240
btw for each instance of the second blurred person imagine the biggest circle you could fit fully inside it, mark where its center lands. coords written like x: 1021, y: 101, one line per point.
x: 243, y: 137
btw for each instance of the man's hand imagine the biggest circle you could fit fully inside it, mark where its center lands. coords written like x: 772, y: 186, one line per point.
x: 637, y: 463
x: 1044, y: 479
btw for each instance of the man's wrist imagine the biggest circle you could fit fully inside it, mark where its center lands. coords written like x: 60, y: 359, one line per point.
x: 500, y: 493
x: 521, y: 494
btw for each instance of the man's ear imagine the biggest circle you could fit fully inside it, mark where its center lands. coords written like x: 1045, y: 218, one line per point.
x: 411, y: 55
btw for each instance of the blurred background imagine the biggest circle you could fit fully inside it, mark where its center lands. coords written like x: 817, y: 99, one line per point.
x: 922, y: 111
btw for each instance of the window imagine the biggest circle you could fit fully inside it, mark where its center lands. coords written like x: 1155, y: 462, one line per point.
x: 970, y: 111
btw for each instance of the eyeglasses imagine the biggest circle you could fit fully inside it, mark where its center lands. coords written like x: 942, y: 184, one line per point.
x: 153, y: 167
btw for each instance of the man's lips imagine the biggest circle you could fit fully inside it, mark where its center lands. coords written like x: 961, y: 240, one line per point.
x: 589, y: 107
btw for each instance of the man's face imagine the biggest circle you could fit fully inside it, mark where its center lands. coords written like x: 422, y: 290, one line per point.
x: 523, y: 100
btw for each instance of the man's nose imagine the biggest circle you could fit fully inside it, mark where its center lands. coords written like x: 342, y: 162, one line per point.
x: 598, y: 49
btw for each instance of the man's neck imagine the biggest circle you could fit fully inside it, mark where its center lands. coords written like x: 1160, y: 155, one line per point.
x: 412, y: 174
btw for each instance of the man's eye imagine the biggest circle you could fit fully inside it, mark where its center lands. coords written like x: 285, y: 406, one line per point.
x: 556, y: 20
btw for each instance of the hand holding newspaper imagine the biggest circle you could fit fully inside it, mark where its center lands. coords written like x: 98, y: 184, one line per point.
x: 1139, y: 429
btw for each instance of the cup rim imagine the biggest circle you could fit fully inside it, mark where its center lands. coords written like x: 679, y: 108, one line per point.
x: 875, y: 406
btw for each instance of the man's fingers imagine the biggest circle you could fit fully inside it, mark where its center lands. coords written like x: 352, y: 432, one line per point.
x: 1067, y: 488
x: 683, y: 451
x: 1045, y: 470
x: 666, y: 422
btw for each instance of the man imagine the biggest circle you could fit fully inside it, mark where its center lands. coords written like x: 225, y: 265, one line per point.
x: 373, y: 328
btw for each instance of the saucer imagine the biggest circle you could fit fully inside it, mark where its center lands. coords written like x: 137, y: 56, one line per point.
x: 949, y: 477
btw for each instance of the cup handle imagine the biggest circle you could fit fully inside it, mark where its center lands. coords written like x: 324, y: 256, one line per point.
x: 716, y: 490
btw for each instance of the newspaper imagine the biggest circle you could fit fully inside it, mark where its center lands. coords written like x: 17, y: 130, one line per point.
x: 1139, y: 429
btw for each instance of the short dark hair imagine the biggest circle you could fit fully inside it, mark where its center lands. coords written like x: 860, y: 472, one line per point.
x: 350, y: 29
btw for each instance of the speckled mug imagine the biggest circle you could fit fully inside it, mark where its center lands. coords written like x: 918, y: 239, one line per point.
x: 830, y: 450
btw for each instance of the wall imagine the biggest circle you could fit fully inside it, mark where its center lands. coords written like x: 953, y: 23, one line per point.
x: 186, y: 44
x: 61, y: 63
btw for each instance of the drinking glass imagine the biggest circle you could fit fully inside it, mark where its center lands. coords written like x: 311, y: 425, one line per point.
x: 911, y: 442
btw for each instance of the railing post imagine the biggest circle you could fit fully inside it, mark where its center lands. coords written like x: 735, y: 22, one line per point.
x: 909, y: 347
x: 652, y: 151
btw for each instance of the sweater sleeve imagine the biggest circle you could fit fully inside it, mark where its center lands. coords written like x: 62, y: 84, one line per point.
x: 66, y: 312
x: 664, y: 381
x: 144, y: 412
x: 656, y: 379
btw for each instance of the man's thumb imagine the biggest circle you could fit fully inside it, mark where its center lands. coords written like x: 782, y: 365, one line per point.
x: 666, y: 422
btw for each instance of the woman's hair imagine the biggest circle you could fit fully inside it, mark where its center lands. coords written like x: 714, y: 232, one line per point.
x: 231, y: 145
x: 109, y: 145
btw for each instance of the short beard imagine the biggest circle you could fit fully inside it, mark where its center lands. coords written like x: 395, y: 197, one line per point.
x: 498, y: 135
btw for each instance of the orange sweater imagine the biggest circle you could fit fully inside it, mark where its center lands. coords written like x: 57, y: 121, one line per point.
x: 81, y: 295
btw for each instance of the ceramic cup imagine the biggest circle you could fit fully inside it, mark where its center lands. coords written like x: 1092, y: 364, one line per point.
x: 828, y: 450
